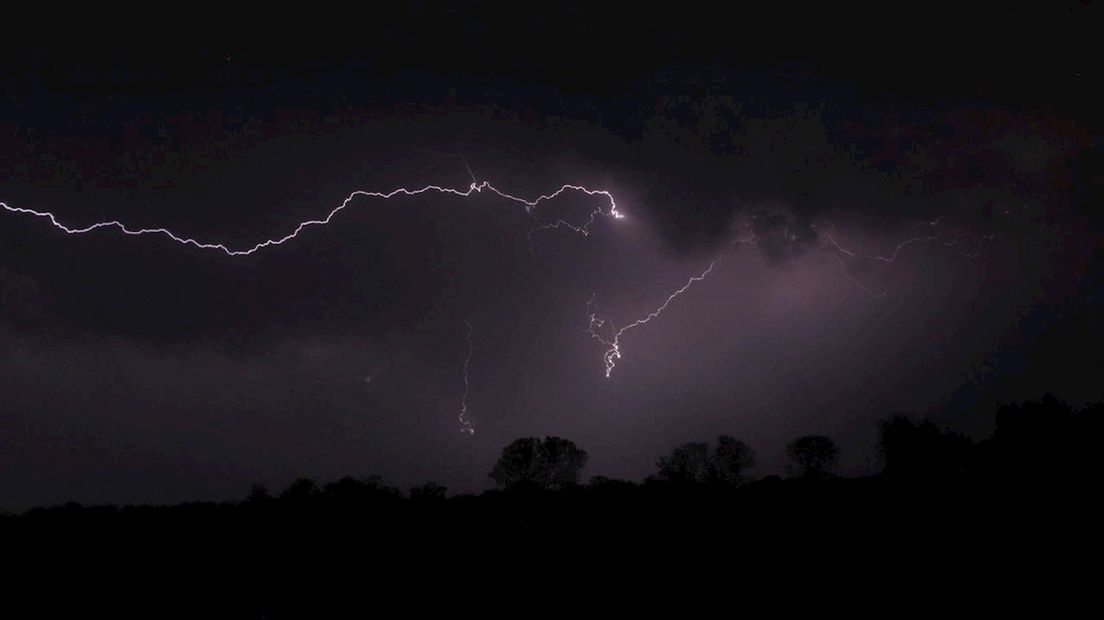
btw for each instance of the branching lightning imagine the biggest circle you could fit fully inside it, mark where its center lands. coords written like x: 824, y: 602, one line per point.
x: 600, y: 327
x: 599, y: 323
x: 968, y: 243
x: 474, y: 188
x: 603, y: 329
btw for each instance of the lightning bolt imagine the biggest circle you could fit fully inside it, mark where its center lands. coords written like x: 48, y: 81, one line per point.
x: 465, y: 424
x: 474, y: 188
x: 953, y: 238
x: 602, y: 329
x: 613, y: 343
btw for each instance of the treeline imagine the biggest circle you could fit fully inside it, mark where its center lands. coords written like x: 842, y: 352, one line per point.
x: 1025, y: 495
x: 1036, y: 442
x: 1039, y: 444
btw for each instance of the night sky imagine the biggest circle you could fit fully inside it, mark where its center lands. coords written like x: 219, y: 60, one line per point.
x: 771, y: 144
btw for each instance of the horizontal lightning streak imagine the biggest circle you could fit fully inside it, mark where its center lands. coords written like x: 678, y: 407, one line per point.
x: 841, y: 252
x: 600, y: 327
x: 474, y: 188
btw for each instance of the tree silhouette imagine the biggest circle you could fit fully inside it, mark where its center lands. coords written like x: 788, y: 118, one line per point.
x: 551, y: 463
x: 912, y: 448
x: 258, y: 495
x: 1040, y: 439
x: 814, y: 455
x: 687, y: 464
x: 351, y: 492
x: 1084, y: 445
x: 428, y: 491
x: 731, y: 458
x: 301, y: 491
x: 694, y: 463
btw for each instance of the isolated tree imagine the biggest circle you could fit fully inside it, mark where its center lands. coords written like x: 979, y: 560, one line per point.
x: 730, y: 459
x: 551, y: 463
x: 519, y: 462
x: 563, y: 462
x: 813, y: 455
x: 695, y: 463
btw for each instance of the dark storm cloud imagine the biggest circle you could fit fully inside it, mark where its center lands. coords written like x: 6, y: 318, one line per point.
x: 969, y: 164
